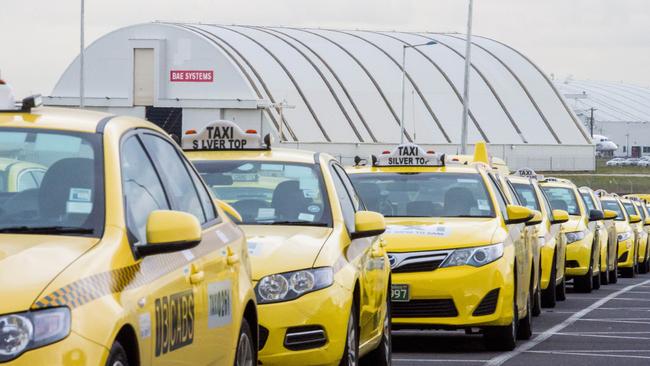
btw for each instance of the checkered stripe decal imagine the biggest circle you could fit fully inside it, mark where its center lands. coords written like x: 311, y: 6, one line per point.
x: 150, y: 269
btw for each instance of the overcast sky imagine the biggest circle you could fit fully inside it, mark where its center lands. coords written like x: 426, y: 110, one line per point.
x: 588, y: 39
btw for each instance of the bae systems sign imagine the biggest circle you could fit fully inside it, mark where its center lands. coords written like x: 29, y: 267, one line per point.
x: 191, y: 76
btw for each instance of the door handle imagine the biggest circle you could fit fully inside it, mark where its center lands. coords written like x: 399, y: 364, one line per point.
x: 197, y: 277
x: 232, y: 258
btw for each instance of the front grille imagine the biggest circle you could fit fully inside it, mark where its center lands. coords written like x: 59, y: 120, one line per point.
x: 418, y: 267
x: 623, y: 258
x: 489, y: 304
x: 307, y: 337
x: 264, y: 335
x: 572, y: 264
x: 438, y: 308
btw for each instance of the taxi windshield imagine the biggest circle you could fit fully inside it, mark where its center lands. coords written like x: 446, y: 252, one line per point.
x: 269, y: 193
x: 629, y: 207
x: 424, y: 194
x: 562, y: 198
x: 589, y: 202
x: 526, y: 194
x: 614, y: 206
x: 51, y: 182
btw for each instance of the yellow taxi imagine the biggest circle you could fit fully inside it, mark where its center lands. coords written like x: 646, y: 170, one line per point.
x: 552, y: 241
x: 583, y: 248
x: 119, y: 256
x: 626, y: 238
x: 644, y: 261
x: 321, y: 274
x: 633, y: 207
x: 457, y: 249
x: 605, y: 234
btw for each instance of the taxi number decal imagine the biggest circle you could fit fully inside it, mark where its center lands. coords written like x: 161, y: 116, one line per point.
x: 174, y: 322
x: 219, y: 304
x: 421, y: 230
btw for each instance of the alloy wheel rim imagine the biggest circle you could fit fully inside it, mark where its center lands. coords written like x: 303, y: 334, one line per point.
x: 118, y: 363
x: 244, y: 351
x: 387, y: 339
x: 352, y: 342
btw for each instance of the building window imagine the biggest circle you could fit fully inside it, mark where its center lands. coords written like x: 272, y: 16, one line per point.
x: 646, y: 149
x: 624, y: 149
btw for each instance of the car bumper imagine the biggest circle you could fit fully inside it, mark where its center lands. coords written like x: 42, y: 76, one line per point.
x: 463, y: 288
x: 626, y: 253
x: 578, y: 258
x: 641, y: 255
x: 326, y: 309
x: 74, y: 350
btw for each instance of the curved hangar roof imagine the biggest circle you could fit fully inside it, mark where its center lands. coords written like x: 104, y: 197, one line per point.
x: 614, y: 101
x: 345, y: 85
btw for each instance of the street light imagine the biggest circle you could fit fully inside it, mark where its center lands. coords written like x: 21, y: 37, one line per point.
x: 468, y: 63
x: 404, y: 48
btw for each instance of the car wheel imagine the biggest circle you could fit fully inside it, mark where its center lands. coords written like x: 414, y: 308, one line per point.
x: 613, y: 274
x: 549, y: 296
x: 627, y: 272
x: 351, y: 352
x: 525, y: 328
x: 604, y: 276
x: 584, y: 283
x: 246, y: 355
x: 117, y: 356
x: 537, y: 297
x: 596, y: 278
x: 502, y: 338
x: 382, y: 355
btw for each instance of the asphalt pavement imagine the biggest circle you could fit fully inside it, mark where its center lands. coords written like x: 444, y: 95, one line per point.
x: 610, y: 326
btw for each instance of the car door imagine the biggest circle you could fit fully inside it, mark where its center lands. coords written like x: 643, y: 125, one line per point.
x: 359, y: 253
x: 215, y: 261
x: 168, y: 302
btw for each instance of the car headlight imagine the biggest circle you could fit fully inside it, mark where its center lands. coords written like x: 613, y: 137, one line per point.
x: 476, y: 257
x: 624, y: 236
x: 291, y: 285
x: 24, y: 331
x: 574, y: 236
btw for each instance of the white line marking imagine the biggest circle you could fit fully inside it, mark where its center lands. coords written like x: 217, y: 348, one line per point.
x: 501, y: 359
x: 614, y: 321
x: 589, y: 354
x: 435, y: 360
x: 630, y: 309
x: 607, y: 333
x: 595, y: 351
x: 601, y: 336
x: 630, y: 299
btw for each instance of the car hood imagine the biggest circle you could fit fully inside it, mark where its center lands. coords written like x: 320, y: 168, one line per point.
x: 28, y: 263
x: 278, y: 249
x: 422, y: 234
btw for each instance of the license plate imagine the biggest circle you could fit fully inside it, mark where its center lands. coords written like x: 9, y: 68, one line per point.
x: 400, y: 293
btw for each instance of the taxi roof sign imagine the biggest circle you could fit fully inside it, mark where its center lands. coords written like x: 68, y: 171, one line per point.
x: 224, y: 136
x: 528, y: 173
x: 409, y: 154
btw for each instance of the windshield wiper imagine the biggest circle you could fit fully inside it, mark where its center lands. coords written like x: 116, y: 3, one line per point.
x: 296, y: 223
x: 46, y: 230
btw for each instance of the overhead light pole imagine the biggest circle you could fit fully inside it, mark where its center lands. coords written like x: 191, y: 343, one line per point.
x: 81, y: 58
x: 404, y: 48
x: 468, y: 63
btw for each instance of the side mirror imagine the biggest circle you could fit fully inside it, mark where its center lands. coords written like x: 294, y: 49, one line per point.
x: 610, y: 215
x: 228, y: 209
x: 560, y: 217
x: 635, y: 219
x: 368, y: 223
x: 518, y: 214
x: 647, y: 222
x: 537, y: 219
x: 170, y: 231
x: 596, y: 215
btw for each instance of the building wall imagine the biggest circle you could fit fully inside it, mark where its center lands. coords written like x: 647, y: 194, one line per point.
x: 626, y: 135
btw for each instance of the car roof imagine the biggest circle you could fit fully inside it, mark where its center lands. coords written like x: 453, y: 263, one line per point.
x: 452, y: 168
x: 53, y: 118
x: 273, y: 154
x: 518, y: 179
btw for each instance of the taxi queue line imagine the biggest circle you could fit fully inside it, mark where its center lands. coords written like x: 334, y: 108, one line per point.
x: 299, y: 261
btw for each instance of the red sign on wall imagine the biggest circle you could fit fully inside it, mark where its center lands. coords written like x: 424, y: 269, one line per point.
x: 191, y: 76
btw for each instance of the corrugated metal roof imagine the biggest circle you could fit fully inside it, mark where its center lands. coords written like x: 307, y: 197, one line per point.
x: 614, y: 101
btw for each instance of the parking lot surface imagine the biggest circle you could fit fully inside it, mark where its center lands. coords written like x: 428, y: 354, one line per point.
x: 610, y: 326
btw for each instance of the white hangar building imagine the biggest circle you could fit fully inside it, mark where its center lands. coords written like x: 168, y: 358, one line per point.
x: 340, y: 89
x: 621, y: 112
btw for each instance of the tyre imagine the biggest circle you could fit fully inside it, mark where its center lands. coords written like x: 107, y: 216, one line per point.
x: 502, y: 338
x: 537, y: 302
x: 585, y: 283
x: 117, y: 356
x: 627, y: 272
x: 382, y: 355
x: 613, y: 274
x: 549, y: 296
x: 351, y: 352
x: 561, y: 290
x: 525, y: 328
x: 246, y: 354
x: 604, y: 276
x: 596, y: 278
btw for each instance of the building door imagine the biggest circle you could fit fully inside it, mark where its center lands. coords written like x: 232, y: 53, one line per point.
x: 143, y: 76
x: 636, y: 151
